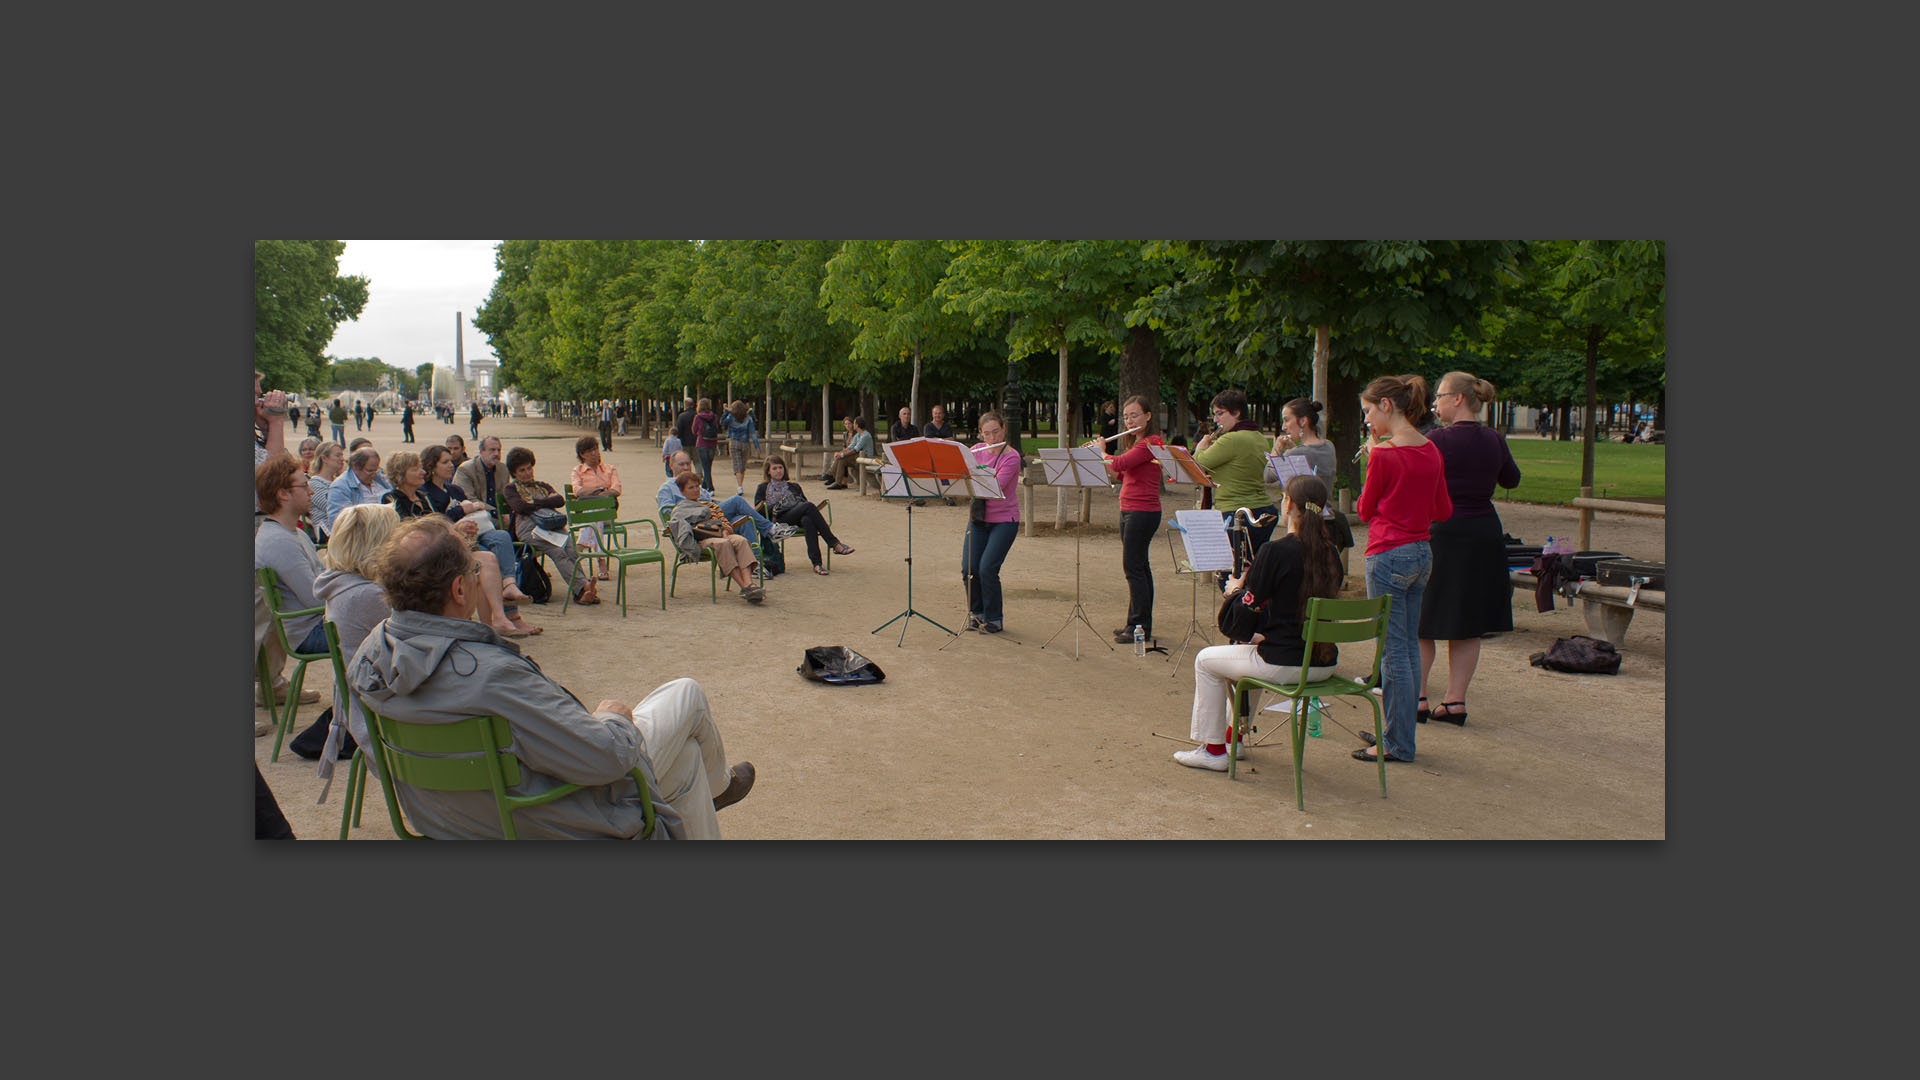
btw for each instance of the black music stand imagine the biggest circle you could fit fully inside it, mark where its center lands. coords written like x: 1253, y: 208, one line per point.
x: 915, y: 472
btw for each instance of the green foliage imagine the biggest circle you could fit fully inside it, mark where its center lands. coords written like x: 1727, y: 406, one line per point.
x: 299, y: 298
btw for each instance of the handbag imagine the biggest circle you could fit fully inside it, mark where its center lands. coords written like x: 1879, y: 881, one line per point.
x: 1240, y: 618
x: 549, y: 519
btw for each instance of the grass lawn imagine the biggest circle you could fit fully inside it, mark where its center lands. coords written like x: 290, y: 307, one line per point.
x: 1550, y: 471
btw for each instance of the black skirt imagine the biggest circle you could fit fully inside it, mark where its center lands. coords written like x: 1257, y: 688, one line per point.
x: 1469, y: 593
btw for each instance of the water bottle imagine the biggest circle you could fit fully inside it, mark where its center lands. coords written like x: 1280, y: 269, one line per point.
x: 1313, y: 717
x: 1139, y: 640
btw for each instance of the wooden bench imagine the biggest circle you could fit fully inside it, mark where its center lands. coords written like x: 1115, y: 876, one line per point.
x: 1604, y: 607
x: 869, y: 469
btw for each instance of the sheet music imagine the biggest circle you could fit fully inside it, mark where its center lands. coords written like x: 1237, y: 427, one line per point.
x: 1075, y: 466
x: 895, y: 484
x: 1204, y: 534
x: 1286, y: 468
x: 1179, y: 465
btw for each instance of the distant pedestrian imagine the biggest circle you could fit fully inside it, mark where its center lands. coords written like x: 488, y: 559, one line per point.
x: 406, y: 422
x: 337, y: 416
x: 358, y: 415
x: 473, y: 421
x: 606, y: 424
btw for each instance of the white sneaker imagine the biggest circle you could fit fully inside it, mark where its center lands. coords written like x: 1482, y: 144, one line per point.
x: 1198, y: 758
x: 1240, y: 751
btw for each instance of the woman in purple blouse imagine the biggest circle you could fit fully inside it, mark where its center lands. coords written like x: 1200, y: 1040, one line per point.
x: 1469, y: 594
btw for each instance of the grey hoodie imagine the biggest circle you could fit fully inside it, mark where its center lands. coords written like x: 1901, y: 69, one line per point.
x: 429, y: 669
x: 354, y: 607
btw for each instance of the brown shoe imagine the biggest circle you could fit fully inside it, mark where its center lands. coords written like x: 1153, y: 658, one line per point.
x: 739, y: 782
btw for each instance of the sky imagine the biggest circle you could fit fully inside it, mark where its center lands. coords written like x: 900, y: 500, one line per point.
x: 414, y: 288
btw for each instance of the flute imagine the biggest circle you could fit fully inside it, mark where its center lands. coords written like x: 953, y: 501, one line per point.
x: 991, y: 446
x: 1123, y: 434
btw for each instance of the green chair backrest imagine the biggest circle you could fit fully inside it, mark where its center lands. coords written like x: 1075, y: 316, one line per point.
x: 270, y: 586
x: 1347, y: 621
x: 469, y: 755
x: 596, y: 511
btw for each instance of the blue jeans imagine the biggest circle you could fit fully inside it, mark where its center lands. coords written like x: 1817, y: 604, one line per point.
x: 987, y: 544
x: 316, y: 640
x: 735, y: 506
x: 704, y: 455
x: 501, y: 544
x: 340, y: 434
x: 1401, y: 573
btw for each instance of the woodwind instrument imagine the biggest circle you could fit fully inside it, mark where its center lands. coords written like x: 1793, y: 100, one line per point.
x: 1123, y: 434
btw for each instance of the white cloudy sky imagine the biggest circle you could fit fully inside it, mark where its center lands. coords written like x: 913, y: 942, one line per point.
x: 416, y: 286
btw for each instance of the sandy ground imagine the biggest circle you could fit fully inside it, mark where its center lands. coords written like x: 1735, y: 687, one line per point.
x: 996, y: 737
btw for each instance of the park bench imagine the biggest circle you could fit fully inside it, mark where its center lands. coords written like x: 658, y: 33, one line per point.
x: 1608, y: 609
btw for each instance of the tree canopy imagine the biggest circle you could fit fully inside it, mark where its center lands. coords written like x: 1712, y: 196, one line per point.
x: 299, y: 298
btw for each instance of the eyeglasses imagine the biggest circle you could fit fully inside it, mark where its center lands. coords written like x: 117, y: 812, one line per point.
x: 472, y: 570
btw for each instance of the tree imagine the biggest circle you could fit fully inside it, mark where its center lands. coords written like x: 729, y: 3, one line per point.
x: 299, y: 298
x: 886, y: 290
x: 1592, y: 298
x: 423, y: 376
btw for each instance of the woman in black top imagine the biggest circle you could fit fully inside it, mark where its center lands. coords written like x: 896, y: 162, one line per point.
x: 786, y: 504
x: 1284, y: 575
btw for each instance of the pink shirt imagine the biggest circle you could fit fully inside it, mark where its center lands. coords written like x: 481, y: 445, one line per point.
x: 1006, y: 469
x: 1139, y: 475
x: 603, y: 477
x: 1405, y: 492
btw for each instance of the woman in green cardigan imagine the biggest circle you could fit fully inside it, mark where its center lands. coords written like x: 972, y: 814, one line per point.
x: 1235, y: 456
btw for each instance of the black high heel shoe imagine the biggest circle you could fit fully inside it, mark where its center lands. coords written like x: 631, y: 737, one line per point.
x: 1456, y: 713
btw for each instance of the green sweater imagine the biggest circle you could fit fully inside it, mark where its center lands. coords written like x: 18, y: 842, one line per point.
x: 1237, y: 461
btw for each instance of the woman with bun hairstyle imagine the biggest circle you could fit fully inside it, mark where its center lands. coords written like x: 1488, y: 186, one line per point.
x: 1300, y: 437
x: 1470, y: 594
x: 1404, y: 493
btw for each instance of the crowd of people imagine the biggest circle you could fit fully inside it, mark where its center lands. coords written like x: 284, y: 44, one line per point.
x: 429, y: 548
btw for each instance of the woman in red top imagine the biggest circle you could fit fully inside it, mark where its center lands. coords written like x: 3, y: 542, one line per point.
x: 1405, y: 492
x: 1139, y: 477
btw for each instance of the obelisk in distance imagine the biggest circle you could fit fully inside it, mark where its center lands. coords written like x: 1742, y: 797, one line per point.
x: 459, y: 363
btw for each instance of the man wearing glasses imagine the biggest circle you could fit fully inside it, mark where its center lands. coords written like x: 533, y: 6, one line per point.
x: 430, y: 662
x: 281, y: 545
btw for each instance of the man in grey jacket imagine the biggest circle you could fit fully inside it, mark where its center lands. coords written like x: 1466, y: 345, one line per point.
x: 429, y: 662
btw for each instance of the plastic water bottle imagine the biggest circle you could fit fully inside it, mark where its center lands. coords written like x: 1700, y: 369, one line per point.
x: 1139, y: 640
x: 1313, y: 717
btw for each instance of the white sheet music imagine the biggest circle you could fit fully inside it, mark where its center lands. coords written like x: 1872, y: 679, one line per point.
x: 1074, y: 466
x: 1204, y: 534
x: 895, y: 484
x: 1286, y: 468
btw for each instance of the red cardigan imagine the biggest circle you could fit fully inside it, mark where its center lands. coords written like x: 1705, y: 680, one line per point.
x: 1139, y: 475
x: 1405, y: 492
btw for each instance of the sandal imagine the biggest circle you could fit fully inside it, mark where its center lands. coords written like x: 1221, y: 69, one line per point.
x: 1363, y: 754
x: 587, y: 599
x: 842, y: 549
x: 818, y: 569
x: 1420, y: 715
x: 1456, y: 712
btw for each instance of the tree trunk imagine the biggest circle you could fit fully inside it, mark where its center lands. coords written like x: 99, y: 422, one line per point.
x: 1322, y: 357
x: 1140, y: 368
x: 1343, y: 427
x: 1012, y: 410
x: 822, y: 436
x: 768, y: 415
x: 913, y: 396
x: 1588, y: 434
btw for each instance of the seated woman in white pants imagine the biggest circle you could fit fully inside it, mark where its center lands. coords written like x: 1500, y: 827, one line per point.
x: 1285, y: 574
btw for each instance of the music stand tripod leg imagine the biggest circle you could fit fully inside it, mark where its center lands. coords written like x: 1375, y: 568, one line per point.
x: 1078, y: 611
x: 909, y: 614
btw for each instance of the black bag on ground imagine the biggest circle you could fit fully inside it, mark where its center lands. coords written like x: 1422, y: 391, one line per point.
x: 309, y: 743
x: 839, y: 665
x: 1580, y: 654
x: 534, y: 579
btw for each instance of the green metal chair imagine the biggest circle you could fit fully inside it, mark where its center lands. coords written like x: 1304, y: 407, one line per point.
x: 600, y: 512
x: 357, y: 768
x: 825, y: 506
x: 270, y: 585
x: 1327, y: 620
x: 706, y: 556
x: 466, y: 755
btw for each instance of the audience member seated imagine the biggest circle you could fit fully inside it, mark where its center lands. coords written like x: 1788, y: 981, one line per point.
x: 859, y: 445
x: 524, y: 495
x: 474, y: 519
x: 283, y: 493
x: 756, y: 528
x: 594, y: 478
x: 430, y: 663
x: 789, y: 507
x: 361, y: 483
x: 698, y: 523
x: 355, y: 605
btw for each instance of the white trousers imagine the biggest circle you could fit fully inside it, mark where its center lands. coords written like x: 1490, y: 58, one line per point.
x: 1214, y: 670
x: 678, y: 733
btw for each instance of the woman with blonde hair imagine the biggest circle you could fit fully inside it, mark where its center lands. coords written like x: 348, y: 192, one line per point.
x: 1404, y: 493
x: 329, y: 461
x: 409, y: 499
x: 1470, y: 594
x: 355, y: 605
